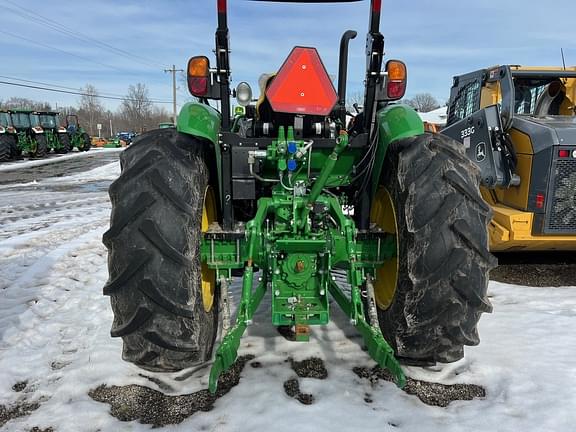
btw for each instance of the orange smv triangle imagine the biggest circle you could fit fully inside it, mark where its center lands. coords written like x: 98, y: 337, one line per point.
x: 302, y: 85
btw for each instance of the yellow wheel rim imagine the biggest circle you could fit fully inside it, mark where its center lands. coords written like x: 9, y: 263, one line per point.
x: 208, y: 275
x: 383, y: 214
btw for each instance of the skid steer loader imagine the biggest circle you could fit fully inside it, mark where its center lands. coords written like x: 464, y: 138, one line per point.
x: 518, y: 124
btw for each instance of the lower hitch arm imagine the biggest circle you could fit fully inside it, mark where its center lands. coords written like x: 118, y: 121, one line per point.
x: 378, y: 348
x: 228, y: 350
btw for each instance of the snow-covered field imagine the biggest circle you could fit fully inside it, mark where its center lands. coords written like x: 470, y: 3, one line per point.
x: 55, y: 323
x: 52, y: 158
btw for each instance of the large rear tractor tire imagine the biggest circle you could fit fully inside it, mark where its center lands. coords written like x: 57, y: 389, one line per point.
x: 5, y: 148
x: 65, y: 145
x: 430, y: 298
x: 41, y: 146
x: 86, y: 142
x: 164, y: 301
x: 16, y: 151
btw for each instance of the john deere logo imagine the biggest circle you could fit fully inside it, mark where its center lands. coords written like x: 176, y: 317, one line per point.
x: 480, y: 151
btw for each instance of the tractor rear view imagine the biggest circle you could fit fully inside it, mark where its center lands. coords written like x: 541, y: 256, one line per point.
x: 29, y: 134
x: 78, y: 137
x: 289, y: 195
x: 518, y: 124
x: 57, y: 137
x: 8, y: 138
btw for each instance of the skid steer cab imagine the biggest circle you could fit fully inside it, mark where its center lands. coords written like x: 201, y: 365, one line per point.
x: 384, y: 219
x: 518, y: 125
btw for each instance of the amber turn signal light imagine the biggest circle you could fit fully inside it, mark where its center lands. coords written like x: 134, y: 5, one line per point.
x: 198, y: 75
x: 396, y: 81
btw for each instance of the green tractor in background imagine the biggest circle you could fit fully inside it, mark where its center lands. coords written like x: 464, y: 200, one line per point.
x: 296, y: 199
x: 29, y: 135
x: 56, y: 136
x: 79, y: 138
x: 8, y: 137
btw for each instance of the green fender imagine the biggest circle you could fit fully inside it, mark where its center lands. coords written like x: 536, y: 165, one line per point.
x: 394, y: 122
x: 203, y: 121
x: 200, y: 120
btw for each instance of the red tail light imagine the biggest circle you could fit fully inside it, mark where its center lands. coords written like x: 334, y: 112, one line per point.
x: 563, y: 153
x: 539, y: 200
x: 198, y: 86
x: 396, y: 90
x: 302, y: 85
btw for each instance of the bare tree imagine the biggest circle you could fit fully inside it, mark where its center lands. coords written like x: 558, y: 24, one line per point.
x: 423, y: 102
x: 137, y: 113
x: 24, y: 103
x: 136, y: 108
x: 90, y: 107
x: 354, y: 98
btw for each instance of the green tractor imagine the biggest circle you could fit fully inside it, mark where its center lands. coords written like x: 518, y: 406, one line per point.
x: 29, y: 135
x: 56, y: 136
x: 297, y: 201
x: 79, y: 138
x: 8, y: 138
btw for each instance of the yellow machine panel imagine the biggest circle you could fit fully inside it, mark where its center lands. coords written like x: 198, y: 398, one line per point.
x: 530, y: 183
x: 511, y: 230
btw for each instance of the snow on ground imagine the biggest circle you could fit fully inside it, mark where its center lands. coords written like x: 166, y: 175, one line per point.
x: 55, y: 323
x: 51, y: 158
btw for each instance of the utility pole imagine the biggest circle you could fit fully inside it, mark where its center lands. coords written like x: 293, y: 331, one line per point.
x: 174, y: 70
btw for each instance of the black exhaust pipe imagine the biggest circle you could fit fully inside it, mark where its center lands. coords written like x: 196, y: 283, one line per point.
x: 343, y: 72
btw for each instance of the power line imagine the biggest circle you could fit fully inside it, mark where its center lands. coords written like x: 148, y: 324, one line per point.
x: 61, y: 50
x: 79, y: 93
x: 39, y: 82
x: 100, y: 94
x: 56, y: 26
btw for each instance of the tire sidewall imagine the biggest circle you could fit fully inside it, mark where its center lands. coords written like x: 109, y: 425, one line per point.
x: 391, y: 317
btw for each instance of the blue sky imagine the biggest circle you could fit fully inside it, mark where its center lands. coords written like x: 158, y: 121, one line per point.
x: 436, y: 39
